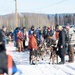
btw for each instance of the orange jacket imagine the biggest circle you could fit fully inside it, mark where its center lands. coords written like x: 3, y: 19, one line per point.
x: 56, y: 35
x: 32, y: 43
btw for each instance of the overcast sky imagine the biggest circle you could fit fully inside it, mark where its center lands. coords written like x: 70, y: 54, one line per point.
x: 38, y: 6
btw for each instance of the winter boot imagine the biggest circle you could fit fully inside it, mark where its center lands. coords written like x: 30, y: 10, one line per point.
x: 22, y: 49
x: 18, y: 49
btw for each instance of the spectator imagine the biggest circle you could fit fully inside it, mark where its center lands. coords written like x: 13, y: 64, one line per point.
x: 26, y: 38
x: 31, y: 30
x: 56, y: 35
x: 15, y: 36
x: 4, y: 30
x: 5, y: 65
x: 70, y: 43
x: 61, y: 45
x: 38, y: 36
x: 45, y: 32
x: 40, y: 33
x: 32, y: 47
x: 20, y: 37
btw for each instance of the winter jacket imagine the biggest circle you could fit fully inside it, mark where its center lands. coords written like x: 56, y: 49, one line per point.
x: 20, y: 35
x: 71, y: 37
x: 15, y: 34
x: 61, y: 42
x: 30, y: 32
x: 56, y: 35
x: 32, y: 43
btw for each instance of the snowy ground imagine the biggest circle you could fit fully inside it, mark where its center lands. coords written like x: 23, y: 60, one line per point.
x: 43, y: 68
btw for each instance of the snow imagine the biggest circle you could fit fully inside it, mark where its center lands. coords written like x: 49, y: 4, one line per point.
x: 43, y: 68
x: 46, y: 69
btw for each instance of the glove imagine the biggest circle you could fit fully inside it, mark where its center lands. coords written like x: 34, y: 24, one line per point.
x: 33, y: 49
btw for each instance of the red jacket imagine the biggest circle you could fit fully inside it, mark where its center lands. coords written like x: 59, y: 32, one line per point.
x: 20, y: 36
x: 32, y: 42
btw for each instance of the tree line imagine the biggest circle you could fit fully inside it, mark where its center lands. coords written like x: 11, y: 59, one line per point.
x: 38, y: 20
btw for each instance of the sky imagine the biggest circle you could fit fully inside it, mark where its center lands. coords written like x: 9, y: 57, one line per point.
x: 38, y: 6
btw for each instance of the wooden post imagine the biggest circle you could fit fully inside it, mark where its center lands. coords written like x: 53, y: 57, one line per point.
x: 16, y: 13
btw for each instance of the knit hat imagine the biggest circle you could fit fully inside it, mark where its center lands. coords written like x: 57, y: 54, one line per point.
x: 59, y: 27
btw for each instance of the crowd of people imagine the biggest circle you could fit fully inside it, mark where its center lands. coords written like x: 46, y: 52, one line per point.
x: 31, y: 39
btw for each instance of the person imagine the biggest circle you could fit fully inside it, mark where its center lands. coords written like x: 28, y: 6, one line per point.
x: 10, y: 36
x: 51, y: 32
x: 69, y: 36
x: 45, y: 33
x: 6, y: 62
x: 26, y: 39
x: 31, y: 30
x: 61, y: 45
x: 15, y: 38
x: 38, y: 36
x: 56, y: 35
x: 32, y: 46
x: 20, y: 37
x: 4, y: 31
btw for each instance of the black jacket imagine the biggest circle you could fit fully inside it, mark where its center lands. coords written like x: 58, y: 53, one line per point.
x: 61, y: 41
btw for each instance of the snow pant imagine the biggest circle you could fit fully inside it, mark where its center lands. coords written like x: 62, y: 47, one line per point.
x: 4, y: 64
x: 32, y: 53
x: 20, y: 46
x: 61, y: 53
x: 71, y: 53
